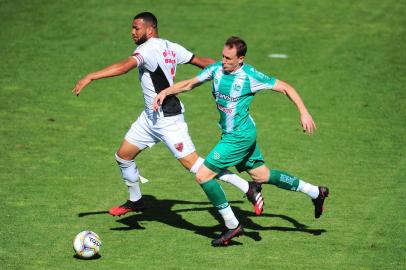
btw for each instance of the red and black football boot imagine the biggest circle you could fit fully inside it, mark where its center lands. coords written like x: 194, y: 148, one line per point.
x: 128, y: 206
x: 227, y: 235
x: 255, y: 197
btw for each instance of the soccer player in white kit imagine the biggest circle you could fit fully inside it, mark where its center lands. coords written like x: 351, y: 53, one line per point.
x: 157, y: 60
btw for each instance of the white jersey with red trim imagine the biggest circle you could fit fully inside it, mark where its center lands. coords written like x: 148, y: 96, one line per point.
x: 157, y: 60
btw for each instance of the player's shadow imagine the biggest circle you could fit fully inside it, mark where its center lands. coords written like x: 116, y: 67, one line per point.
x: 161, y: 211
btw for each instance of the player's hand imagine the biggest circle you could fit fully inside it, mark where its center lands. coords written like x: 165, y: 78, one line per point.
x: 81, y: 84
x: 307, y: 123
x: 158, y: 100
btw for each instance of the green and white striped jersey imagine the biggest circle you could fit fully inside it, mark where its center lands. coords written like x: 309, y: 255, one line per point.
x: 234, y: 92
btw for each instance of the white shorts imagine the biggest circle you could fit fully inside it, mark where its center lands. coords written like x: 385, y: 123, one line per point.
x: 172, y: 131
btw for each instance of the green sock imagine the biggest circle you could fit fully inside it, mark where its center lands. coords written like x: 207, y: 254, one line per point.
x: 283, y: 180
x: 215, y: 194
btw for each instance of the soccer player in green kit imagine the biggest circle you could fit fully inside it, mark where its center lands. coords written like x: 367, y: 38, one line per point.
x: 234, y: 86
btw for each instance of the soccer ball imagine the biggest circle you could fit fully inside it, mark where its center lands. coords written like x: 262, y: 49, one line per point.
x: 87, y: 244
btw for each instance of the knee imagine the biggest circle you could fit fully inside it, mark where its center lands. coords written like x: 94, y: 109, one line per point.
x: 258, y: 179
x: 124, y: 155
x: 202, y: 176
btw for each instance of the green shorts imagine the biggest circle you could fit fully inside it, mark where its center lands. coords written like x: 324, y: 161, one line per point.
x: 235, y: 149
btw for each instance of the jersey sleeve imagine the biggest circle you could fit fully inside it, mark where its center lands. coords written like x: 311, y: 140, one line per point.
x: 183, y: 56
x: 137, y: 56
x: 207, y: 73
x: 144, y: 57
x: 260, y: 81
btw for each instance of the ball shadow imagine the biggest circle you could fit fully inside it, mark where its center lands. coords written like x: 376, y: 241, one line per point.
x: 95, y: 257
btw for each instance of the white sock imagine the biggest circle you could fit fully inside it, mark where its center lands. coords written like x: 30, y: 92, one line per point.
x: 233, y: 179
x: 135, y: 192
x: 230, y: 220
x: 309, y: 189
x: 131, y: 176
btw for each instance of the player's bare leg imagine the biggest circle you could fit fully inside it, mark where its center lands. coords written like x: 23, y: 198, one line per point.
x: 189, y: 160
x: 192, y: 162
x: 286, y: 181
x: 129, y: 171
x: 128, y: 151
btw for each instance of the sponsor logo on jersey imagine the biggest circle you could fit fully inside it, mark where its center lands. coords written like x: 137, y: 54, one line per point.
x: 166, y: 53
x: 169, y: 56
x: 179, y: 146
x: 170, y: 61
x: 226, y: 97
x: 224, y: 109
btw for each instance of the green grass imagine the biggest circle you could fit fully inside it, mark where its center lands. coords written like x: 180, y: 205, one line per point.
x: 347, y: 59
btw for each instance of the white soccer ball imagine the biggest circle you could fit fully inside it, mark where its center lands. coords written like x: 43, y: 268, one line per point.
x: 87, y: 244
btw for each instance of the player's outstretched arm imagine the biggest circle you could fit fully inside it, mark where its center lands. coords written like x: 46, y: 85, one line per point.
x: 179, y: 87
x: 306, y: 119
x: 110, y: 71
x: 202, y: 62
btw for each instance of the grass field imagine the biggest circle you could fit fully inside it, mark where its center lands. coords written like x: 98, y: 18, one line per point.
x: 58, y: 174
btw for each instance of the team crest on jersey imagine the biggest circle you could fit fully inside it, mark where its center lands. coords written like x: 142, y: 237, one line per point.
x: 216, y: 155
x: 237, y: 87
x: 179, y: 146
